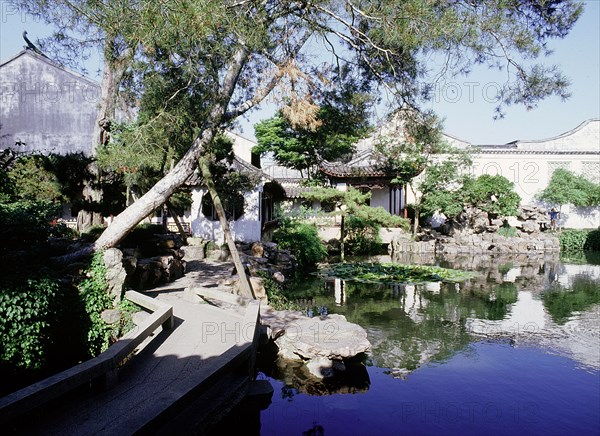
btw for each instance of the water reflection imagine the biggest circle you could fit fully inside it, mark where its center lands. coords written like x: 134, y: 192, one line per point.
x: 536, y: 301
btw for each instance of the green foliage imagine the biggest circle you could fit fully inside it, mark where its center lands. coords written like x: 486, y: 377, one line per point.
x: 193, y: 68
x: 303, y: 141
x: 492, y: 194
x: 505, y: 267
x: 353, y: 203
x: 93, y: 293
x: 390, y: 273
x: 28, y: 222
x: 27, y: 313
x: 60, y: 179
x: 276, y: 297
x: 507, y: 231
x: 450, y: 203
x: 408, y: 151
x: 573, y: 240
x: 592, y: 242
x: 33, y: 181
x: 93, y: 233
x: 302, y: 240
x: 416, y: 154
x: 141, y: 234
x: 362, y: 235
x: 378, y: 216
x: 565, y: 187
x: 127, y: 308
x: 561, y: 303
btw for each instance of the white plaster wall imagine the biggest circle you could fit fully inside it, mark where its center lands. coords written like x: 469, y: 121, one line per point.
x: 380, y: 198
x: 585, y: 137
x: 531, y: 173
x: 242, y: 147
x: 246, y: 229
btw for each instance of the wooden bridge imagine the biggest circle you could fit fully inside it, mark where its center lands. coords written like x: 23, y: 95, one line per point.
x: 182, y: 369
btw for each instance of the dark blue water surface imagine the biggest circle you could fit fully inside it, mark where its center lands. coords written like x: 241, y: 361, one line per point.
x: 489, y: 388
x: 513, y: 351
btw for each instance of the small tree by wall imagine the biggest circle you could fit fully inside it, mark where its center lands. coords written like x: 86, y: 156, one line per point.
x: 492, y: 194
x: 566, y: 187
x: 353, y: 203
x: 417, y: 155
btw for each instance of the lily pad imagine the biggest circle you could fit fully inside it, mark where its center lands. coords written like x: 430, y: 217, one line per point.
x: 390, y: 273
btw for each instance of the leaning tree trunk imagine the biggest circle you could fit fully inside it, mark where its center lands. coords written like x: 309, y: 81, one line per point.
x: 245, y: 286
x: 164, y: 188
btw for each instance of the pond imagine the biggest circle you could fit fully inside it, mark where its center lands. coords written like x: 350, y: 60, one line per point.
x: 515, y: 350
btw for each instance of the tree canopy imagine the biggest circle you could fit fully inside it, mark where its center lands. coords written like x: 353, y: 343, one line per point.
x: 236, y: 53
x: 492, y: 194
x: 415, y: 154
x: 566, y: 187
x: 301, y: 141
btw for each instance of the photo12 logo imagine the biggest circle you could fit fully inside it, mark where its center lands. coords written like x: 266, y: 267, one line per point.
x: 48, y: 92
x: 10, y: 11
x: 524, y: 174
x: 469, y: 92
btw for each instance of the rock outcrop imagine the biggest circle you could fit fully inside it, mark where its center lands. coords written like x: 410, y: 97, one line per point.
x: 323, y: 343
x: 474, y: 232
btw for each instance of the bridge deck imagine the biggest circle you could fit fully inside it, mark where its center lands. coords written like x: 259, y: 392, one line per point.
x: 173, y: 369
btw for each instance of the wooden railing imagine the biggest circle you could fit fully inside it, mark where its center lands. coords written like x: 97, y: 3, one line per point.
x: 103, y: 367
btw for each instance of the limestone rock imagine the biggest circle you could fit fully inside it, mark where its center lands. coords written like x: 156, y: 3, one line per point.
x: 194, y: 252
x: 320, y: 367
x: 257, y: 249
x: 531, y: 227
x: 278, y: 277
x: 258, y: 287
x: 115, y: 273
x: 331, y: 336
x: 111, y: 316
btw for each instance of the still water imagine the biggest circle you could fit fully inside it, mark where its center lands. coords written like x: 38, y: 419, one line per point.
x: 514, y: 351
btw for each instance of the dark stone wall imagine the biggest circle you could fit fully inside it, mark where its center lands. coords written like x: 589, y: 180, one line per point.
x: 45, y: 108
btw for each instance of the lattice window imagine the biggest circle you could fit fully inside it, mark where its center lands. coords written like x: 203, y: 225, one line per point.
x: 552, y: 166
x: 591, y: 171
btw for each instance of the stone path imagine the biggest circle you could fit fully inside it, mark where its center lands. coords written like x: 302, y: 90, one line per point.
x: 174, y: 366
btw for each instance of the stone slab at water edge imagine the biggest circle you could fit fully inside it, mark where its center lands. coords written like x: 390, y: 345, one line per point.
x: 322, y: 342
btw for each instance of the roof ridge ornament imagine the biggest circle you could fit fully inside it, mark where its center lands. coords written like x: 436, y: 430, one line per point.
x: 31, y: 46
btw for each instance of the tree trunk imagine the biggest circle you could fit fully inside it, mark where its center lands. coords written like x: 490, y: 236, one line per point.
x: 114, y: 68
x: 417, y: 212
x: 180, y: 228
x: 156, y: 196
x: 342, y: 235
x: 416, y: 223
x: 245, y: 286
x: 164, y: 188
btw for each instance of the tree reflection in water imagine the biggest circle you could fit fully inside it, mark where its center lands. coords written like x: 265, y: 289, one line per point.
x: 521, y: 298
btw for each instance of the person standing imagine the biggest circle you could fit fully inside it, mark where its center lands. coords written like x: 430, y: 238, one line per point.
x: 554, y: 215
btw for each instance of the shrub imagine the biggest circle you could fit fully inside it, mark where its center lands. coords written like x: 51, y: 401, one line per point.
x: 142, y: 233
x: 277, y: 300
x: 507, y: 231
x: 26, y: 221
x: 92, y: 233
x: 592, y: 241
x: 302, y: 240
x: 93, y: 292
x: 26, y: 316
x: 362, y: 235
x: 573, y: 240
x: 492, y: 194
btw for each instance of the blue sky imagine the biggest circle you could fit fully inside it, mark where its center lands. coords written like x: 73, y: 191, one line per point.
x: 465, y: 103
